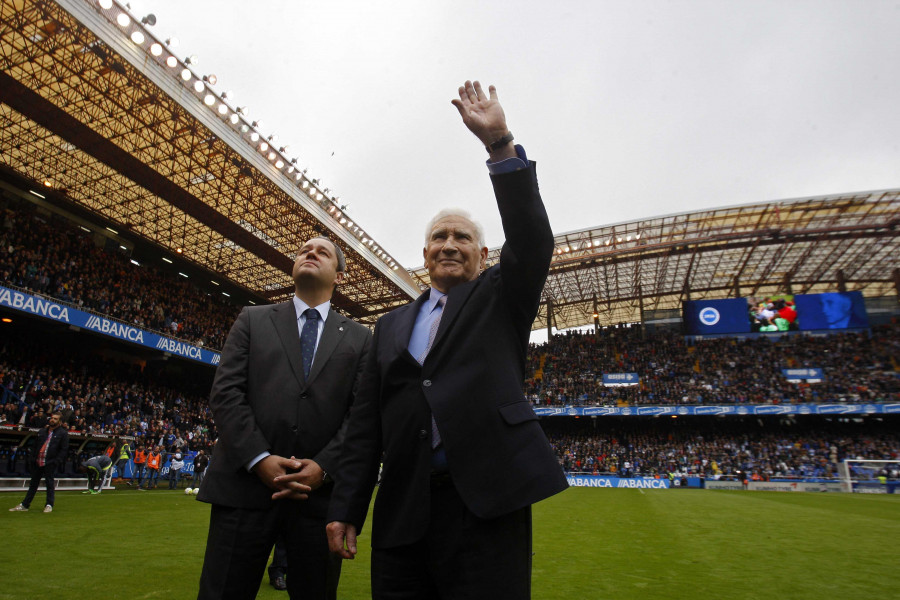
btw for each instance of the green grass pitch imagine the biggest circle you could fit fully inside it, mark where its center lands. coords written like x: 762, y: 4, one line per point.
x: 589, y: 543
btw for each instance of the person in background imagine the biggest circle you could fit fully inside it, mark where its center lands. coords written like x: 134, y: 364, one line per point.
x: 201, y: 461
x: 123, y: 456
x: 51, y: 447
x: 176, y: 463
x: 140, y: 465
x: 96, y: 469
x: 154, y: 463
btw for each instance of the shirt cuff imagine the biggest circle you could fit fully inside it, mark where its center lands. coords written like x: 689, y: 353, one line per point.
x: 509, y: 165
x: 253, y: 462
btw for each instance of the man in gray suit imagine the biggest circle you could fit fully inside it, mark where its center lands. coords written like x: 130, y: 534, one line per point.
x: 280, y: 399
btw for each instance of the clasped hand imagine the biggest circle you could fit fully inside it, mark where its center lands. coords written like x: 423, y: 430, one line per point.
x: 290, y: 478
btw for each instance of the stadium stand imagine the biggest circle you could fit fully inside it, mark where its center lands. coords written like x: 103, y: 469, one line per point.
x: 767, y: 448
x: 48, y: 255
x: 858, y: 367
x: 101, y: 391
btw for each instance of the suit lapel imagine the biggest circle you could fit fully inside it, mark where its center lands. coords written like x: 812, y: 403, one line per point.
x: 284, y: 317
x: 456, y: 299
x: 335, y: 328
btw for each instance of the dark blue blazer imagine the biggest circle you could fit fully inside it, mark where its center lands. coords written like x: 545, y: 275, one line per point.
x: 497, y: 453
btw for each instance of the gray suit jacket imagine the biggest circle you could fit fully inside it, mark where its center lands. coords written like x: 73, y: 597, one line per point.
x: 261, y: 401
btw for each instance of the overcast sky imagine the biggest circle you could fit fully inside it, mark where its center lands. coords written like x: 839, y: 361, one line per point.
x: 631, y: 109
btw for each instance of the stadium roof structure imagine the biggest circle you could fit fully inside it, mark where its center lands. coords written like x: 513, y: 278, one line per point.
x: 93, y: 105
x: 622, y: 272
x: 103, y: 114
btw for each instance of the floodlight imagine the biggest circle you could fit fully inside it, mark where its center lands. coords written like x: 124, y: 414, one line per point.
x: 172, y: 42
x: 223, y: 110
x: 191, y: 60
x: 209, y: 100
x: 149, y: 20
x: 172, y: 61
x: 123, y: 20
x: 279, y: 163
x: 155, y: 49
x: 210, y: 79
x: 105, y: 4
x: 137, y: 37
x: 198, y: 86
x: 186, y: 74
x: 254, y: 136
x: 234, y: 118
x: 272, y: 155
x: 263, y: 147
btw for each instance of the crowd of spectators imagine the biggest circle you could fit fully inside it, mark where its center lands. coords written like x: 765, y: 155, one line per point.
x: 771, y: 448
x: 50, y: 256
x: 96, y: 395
x: 568, y: 370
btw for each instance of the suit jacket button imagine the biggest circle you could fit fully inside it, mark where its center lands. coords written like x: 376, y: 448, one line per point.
x: 427, y: 383
x: 423, y: 434
x: 304, y: 396
x: 294, y: 429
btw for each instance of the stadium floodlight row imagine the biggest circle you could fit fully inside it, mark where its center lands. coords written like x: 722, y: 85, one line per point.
x: 98, y: 123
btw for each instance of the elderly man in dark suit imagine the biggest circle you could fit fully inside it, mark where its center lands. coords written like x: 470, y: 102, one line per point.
x: 441, y: 397
x: 50, y: 450
x: 280, y: 398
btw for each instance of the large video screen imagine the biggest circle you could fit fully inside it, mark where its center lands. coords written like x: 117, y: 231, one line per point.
x: 838, y: 310
x: 776, y: 314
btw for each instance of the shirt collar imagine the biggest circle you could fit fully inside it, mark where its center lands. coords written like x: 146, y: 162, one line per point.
x: 300, y: 306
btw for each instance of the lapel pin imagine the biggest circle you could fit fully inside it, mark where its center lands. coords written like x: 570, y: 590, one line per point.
x: 340, y: 328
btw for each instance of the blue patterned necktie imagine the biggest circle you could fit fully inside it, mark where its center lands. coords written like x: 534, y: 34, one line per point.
x: 308, y: 338
x: 432, y: 333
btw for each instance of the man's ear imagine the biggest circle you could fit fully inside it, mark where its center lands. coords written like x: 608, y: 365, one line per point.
x: 339, y: 278
x: 484, y: 255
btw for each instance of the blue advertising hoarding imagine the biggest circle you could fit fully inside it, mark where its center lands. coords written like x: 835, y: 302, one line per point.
x: 63, y: 313
x: 722, y: 409
x: 620, y: 379
x: 649, y: 483
x: 808, y: 374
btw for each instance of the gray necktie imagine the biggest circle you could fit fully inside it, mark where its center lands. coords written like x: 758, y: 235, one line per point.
x: 432, y: 333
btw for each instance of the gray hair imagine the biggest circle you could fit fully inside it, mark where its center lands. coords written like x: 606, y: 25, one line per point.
x: 455, y: 212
